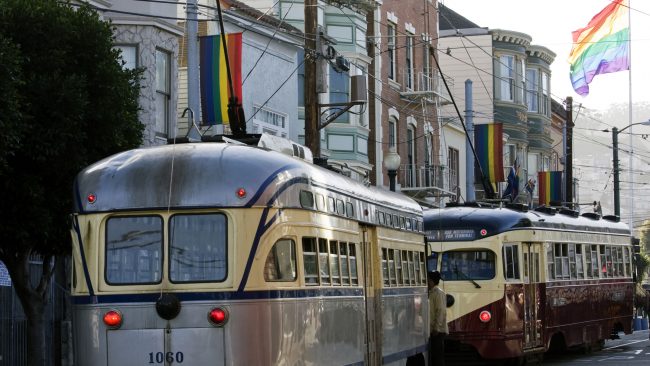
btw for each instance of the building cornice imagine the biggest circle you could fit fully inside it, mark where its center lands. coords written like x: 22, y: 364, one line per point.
x: 542, y: 53
x: 513, y: 37
x: 148, y: 21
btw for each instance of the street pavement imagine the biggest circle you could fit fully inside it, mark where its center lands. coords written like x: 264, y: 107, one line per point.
x: 629, y: 350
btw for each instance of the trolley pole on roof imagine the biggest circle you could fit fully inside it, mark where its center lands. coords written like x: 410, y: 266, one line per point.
x: 193, y: 101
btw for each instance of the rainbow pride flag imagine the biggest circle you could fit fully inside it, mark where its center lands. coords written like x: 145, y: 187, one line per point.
x: 550, y: 187
x: 215, y: 92
x: 488, y: 142
x: 601, y: 47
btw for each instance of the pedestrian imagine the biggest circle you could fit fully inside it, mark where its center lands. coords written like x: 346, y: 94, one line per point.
x: 437, y: 320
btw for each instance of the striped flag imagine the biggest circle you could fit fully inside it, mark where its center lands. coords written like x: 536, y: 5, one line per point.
x: 488, y: 141
x: 603, y: 46
x: 550, y: 187
x: 215, y: 92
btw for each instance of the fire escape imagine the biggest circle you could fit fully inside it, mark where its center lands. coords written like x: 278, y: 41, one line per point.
x: 430, y: 182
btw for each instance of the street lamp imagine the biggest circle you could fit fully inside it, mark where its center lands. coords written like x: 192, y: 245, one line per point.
x: 615, y: 132
x: 391, y: 163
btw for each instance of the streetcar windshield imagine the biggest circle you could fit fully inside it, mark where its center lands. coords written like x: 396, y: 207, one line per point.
x: 468, y: 265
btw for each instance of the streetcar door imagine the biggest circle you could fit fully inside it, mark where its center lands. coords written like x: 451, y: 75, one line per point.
x: 372, y: 294
x: 532, y: 306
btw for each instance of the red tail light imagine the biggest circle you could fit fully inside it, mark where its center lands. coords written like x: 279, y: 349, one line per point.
x: 485, y: 316
x: 218, y: 317
x: 113, y: 319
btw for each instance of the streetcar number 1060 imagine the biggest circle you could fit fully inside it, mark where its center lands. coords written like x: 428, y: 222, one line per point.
x: 169, y: 357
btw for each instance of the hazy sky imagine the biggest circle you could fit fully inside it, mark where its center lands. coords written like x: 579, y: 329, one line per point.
x: 550, y: 23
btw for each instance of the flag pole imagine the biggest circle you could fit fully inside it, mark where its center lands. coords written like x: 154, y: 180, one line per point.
x: 631, y: 161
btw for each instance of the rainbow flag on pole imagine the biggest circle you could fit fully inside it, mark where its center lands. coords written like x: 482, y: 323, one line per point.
x: 488, y: 141
x: 603, y: 46
x: 215, y: 92
x: 550, y: 187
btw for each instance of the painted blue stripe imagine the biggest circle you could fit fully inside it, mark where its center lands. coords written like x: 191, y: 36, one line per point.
x: 266, y: 183
x: 263, y: 226
x: 84, y: 265
x: 404, y: 354
x: 261, y: 229
x: 404, y: 291
x: 223, y: 296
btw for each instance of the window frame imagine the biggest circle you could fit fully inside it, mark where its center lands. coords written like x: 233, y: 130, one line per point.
x: 163, y: 128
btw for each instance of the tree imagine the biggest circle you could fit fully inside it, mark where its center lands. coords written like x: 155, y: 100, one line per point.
x: 71, y: 103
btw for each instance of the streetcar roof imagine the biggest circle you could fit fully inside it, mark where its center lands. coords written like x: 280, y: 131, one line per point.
x: 209, y: 175
x: 466, y: 223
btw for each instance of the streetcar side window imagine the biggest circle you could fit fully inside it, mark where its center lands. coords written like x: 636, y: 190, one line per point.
x: 384, y: 266
x: 352, y: 254
x: 280, y: 263
x: 345, y: 268
x: 306, y: 199
x: 340, y: 207
x: 323, y: 261
x: 626, y: 261
x: 381, y: 218
x: 320, y: 202
x: 331, y: 207
x: 511, y: 262
x: 594, y: 261
x: 310, y: 260
x: 349, y: 209
x: 399, y: 279
x: 335, y: 267
x: 197, y: 248
x: 134, y: 247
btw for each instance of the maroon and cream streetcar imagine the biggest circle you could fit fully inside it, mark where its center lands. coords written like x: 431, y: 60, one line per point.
x: 520, y: 282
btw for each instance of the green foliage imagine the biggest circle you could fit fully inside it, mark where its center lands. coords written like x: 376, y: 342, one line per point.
x: 68, y: 103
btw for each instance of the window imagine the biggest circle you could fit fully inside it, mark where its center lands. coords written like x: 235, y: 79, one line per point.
x: 352, y: 255
x: 562, y: 262
x: 335, y: 268
x: 544, y: 102
x: 197, y: 250
x: 323, y: 261
x: 270, y: 117
x: 349, y: 209
x: 320, y: 202
x: 409, y: 61
x: 309, y: 255
x: 340, y: 207
x: 626, y: 261
x: 521, y: 80
x: 511, y: 262
x: 163, y: 92
x: 410, y: 155
x: 392, y: 132
x: 466, y: 265
x: 134, y: 247
x: 391, y: 51
x: 453, y: 163
x: 331, y: 207
x: 399, y: 275
x: 280, y: 263
x: 550, y: 261
x: 531, y: 90
x: 506, y: 75
x: 384, y: 266
x: 306, y: 199
x: 580, y: 272
x: 339, y: 91
x: 345, y: 266
x: 128, y: 56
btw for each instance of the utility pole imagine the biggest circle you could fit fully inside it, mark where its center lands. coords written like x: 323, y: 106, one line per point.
x: 469, y: 156
x: 617, y: 183
x: 312, y: 115
x: 372, y: 147
x: 568, y: 154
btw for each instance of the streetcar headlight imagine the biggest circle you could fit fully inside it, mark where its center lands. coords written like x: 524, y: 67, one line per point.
x: 218, y: 317
x: 113, y: 319
x: 485, y: 316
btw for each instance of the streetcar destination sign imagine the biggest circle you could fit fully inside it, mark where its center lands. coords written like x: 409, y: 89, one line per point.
x: 451, y: 235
